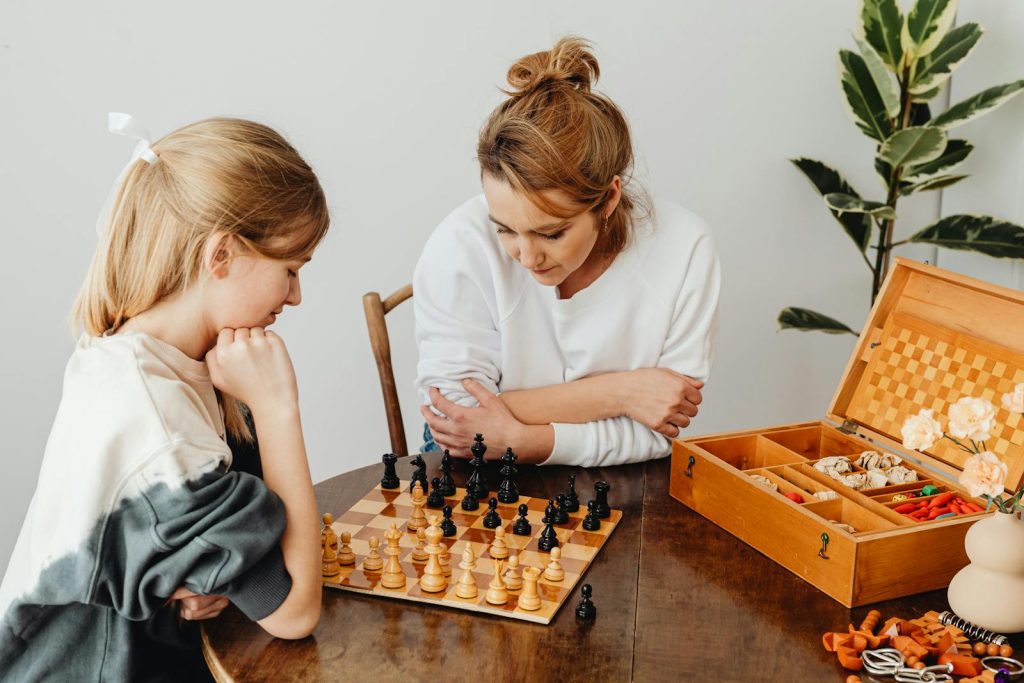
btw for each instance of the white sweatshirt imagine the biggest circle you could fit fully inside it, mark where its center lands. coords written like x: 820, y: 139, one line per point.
x: 481, y: 315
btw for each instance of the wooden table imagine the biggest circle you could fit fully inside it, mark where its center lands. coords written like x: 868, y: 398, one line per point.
x: 678, y: 600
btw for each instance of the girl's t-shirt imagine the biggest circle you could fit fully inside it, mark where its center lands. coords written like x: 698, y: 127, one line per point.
x: 135, y: 498
x: 481, y: 315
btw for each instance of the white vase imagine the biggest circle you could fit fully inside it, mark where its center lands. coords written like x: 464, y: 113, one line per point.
x: 989, y: 592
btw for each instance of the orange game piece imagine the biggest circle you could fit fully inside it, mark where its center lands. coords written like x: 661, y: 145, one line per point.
x: 963, y: 665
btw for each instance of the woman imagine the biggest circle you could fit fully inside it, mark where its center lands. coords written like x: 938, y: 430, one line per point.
x: 591, y: 311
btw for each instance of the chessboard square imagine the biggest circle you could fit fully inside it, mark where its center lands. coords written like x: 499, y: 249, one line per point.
x: 359, y: 579
x: 384, y: 522
x: 537, y: 504
x: 463, y: 519
x: 355, y: 518
x: 397, y: 511
x: 415, y: 590
x: 509, y: 606
x: 551, y: 592
x: 591, y: 539
x: 478, y: 535
x: 372, y: 507
x: 579, y: 552
x: 340, y: 528
x: 382, y: 495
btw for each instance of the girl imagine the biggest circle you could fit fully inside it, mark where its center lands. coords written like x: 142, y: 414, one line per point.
x: 590, y: 311
x: 136, y: 502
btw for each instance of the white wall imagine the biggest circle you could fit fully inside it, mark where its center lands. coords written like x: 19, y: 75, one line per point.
x: 385, y: 99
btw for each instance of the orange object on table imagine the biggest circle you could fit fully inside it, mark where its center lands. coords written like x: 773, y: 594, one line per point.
x: 963, y: 665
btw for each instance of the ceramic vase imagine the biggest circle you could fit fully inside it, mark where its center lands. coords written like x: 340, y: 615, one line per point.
x: 989, y: 592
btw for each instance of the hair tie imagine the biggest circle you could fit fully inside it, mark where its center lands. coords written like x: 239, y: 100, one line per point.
x: 125, y: 124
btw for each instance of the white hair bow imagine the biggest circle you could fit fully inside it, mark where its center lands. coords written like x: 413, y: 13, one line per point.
x: 125, y: 124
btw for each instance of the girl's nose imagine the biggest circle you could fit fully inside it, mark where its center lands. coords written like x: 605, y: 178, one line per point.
x: 294, y: 292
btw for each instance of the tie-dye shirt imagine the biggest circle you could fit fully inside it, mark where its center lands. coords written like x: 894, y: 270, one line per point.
x: 136, y: 498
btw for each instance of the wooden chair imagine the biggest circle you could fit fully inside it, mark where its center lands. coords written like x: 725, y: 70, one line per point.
x: 375, y: 310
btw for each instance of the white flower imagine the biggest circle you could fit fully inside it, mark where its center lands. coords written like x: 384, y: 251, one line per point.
x: 1014, y: 402
x: 921, y: 431
x: 972, y: 418
x: 984, y: 474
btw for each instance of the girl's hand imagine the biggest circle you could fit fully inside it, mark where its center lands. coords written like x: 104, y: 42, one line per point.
x: 253, y: 366
x: 661, y: 399
x: 455, y: 430
x: 195, y: 607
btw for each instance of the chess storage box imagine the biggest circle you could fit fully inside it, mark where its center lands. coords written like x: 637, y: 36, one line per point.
x: 932, y: 338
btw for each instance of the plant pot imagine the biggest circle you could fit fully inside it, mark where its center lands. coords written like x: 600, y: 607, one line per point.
x: 989, y: 592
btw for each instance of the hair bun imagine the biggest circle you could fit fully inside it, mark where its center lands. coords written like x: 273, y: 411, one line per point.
x: 569, y: 62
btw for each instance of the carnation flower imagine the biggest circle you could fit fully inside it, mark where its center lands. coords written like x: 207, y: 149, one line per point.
x: 984, y: 474
x: 921, y: 431
x: 1014, y: 401
x: 972, y: 418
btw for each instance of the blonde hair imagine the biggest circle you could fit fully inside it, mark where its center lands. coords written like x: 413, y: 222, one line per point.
x: 555, y: 133
x: 217, y: 175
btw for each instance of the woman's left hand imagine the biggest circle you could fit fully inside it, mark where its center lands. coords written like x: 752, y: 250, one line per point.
x: 455, y: 430
x: 196, y: 607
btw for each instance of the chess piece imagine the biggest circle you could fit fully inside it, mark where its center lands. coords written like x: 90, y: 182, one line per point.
x: 469, y: 502
x: 522, y: 526
x: 476, y: 484
x: 530, y: 599
x: 499, y: 548
x: 419, y: 474
x: 444, y: 558
x: 497, y: 594
x: 390, y: 479
x: 392, y: 576
x: 329, y: 549
x: 419, y: 553
x: 435, y: 500
x: 512, y: 577
x: 508, y: 492
x: 373, y: 562
x: 572, y: 501
x: 561, y: 514
x: 591, y: 522
x: 586, y: 609
x: 345, y: 554
x: 601, y: 508
x: 447, y: 525
x: 466, y: 588
x: 554, y: 571
x: 547, y: 539
x: 433, y: 579
x: 419, y: 518
x: 447, y: 483
x: 492, y: 520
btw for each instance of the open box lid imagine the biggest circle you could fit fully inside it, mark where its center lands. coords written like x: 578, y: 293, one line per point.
x: 931, y: 338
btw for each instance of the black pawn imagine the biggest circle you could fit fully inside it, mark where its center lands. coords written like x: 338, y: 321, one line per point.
x: 591, y: 522
x: 447, y: 483
x: 586, y: 609
x: 508, y: 492
x: 492, y: 520
x: 447, y: 525
x: 561, y: 514
x: 522, y: 526
x: 390, y: 479
x: 435, y: 499
x: 548, y: 539
x: 572, y: 501
x: 601, y: 508
x: 476, y: 484
x: 469, y: 502
x: 419, y: 474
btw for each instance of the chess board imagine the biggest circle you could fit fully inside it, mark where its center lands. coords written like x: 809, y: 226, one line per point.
x: 379, y: 508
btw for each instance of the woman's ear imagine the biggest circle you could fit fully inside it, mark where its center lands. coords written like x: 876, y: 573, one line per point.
x: 614, y: 196
x: 217, y: 254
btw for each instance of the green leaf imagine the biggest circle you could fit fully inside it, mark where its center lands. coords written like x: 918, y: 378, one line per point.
x: 882, y: 24
x: 985, y: 234
x: 884, y: 82
x: 810, y: 321
x: 927, y: 95
x: 864, y: 103
x: 914, y: 145
x: 954, y: 154
x: 937, y: 67
x: 826, y: 180
x: 973, y: 107
x: 936, y: 183
x: 844, y: 203
x: 926, y: 25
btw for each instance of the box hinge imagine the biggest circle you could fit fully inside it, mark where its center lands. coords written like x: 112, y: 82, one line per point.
x: 848, y: 427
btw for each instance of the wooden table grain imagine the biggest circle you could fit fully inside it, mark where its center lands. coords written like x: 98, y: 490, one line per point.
x: 678, y: 599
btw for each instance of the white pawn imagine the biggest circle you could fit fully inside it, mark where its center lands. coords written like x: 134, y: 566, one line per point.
x: 497, y: 594
x: 466, y: 587
x: 345, y: 554
x: 444, y: 556
x: 499, y: 548
x: 554, y: 571
x: 419, y: 553
x: 513, y: 580
x: 373, y: 562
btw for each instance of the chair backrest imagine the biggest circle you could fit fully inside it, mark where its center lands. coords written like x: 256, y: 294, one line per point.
x: 375, y: 310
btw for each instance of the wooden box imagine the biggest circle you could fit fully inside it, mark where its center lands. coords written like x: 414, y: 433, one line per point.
x: 932, y: 337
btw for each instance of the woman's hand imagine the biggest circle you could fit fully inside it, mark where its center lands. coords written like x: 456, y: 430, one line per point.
x: 253, y: 366
x: 195, y: 607
x: 455, y: 429
x: 661, y: 399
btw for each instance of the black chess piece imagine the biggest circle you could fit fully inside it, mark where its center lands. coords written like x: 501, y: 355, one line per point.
x: 586, y: 609
x: 492, y: 520
x: 561, y: 514
x: 601, y: 508
x: 476, y: 484
x: 390, y: 479
x: 435, y: 499
x: 591, y: 522
x: 469, y: 502
x: 522, y: 526
x: 572, y: 501
x: 508, y: 492
x: 447, y: 483
x: 447, y: 525
x: 419, y: 474
x: 548, y: 539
